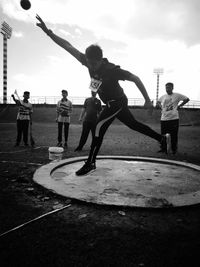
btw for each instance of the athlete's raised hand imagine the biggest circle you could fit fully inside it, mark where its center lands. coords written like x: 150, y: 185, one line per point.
x: 41, y: 24
x: 58, y: 40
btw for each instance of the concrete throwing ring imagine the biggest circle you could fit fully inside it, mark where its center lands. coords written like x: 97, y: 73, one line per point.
x: 125, y: 181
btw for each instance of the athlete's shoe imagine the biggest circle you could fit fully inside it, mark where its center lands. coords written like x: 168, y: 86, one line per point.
x: 87, y: 167
x: 165, y: 143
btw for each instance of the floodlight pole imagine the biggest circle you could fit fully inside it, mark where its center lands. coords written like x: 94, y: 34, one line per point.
x: 158, y: 72
x: 6, y: 31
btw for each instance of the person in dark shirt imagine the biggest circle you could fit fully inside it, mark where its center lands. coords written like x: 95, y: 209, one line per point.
x: 89, y: 114
x: 105, y: 77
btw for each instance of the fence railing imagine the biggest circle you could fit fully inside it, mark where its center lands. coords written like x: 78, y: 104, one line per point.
x: 79, y: 100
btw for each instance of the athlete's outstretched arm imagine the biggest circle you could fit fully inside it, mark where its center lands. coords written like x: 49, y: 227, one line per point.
x: 58, y: 40
x: 141, y: 87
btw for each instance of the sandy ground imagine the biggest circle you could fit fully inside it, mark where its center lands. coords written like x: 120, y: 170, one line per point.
x: 87, y: 234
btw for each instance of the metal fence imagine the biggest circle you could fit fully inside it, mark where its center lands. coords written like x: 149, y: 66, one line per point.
x: 80, y: 100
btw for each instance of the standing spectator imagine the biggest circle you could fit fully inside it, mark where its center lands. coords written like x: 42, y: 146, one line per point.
x: 64, y: 109
x: 169, y: 103
x: 89, y: 114
x: 24, y: 117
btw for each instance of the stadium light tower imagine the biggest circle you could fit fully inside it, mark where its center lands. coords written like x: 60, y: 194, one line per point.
x: 158, y: 72
x: 6, y: 31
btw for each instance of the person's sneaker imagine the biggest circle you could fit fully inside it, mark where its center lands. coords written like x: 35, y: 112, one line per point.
x: 87, y: 167
x: 166, y: 143
x: 59, y: 144
x: 26, y: 144
x: 16, y: 145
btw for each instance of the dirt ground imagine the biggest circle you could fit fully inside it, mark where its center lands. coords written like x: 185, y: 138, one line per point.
x: 86, y: 234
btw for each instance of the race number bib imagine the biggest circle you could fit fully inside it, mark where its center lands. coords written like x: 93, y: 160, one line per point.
x: 95, y: 84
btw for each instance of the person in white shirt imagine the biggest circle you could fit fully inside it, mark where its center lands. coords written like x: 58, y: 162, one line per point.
x: 24, y: 118
x: 63, y: 110
x: 170, y: 104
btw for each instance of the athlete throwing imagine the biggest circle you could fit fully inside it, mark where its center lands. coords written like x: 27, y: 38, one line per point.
x: 105, y: 78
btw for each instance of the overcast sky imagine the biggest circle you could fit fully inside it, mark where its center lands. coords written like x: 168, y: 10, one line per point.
x: 138, y: 35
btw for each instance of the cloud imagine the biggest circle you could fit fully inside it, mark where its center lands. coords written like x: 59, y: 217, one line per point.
x: 166, y: 20
x: 65, y: 33
x: 143, y: 19
x: 21, y: 77
x: 17, y: 34
x: 78, y: 31
x: 54, y: 59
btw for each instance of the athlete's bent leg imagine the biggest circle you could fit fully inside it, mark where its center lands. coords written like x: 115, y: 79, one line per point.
x: 106, y: 118
x: 103, y: 123
x: 128, y: 119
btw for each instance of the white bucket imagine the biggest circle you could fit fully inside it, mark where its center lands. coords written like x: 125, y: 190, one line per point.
x: 55, y: 153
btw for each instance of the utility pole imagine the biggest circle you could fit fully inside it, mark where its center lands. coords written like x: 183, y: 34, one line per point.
x: 6, y: 31
x: 158, y: 72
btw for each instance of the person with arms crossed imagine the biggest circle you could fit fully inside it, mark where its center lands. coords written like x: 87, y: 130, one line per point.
x: 105, y: 77
x: 169, y: 104
x: 89, y: 114
x: 63, y: 111
x: 24, y: 117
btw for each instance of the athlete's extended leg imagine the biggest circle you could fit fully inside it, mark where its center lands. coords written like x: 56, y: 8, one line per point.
x: 128, y: 119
